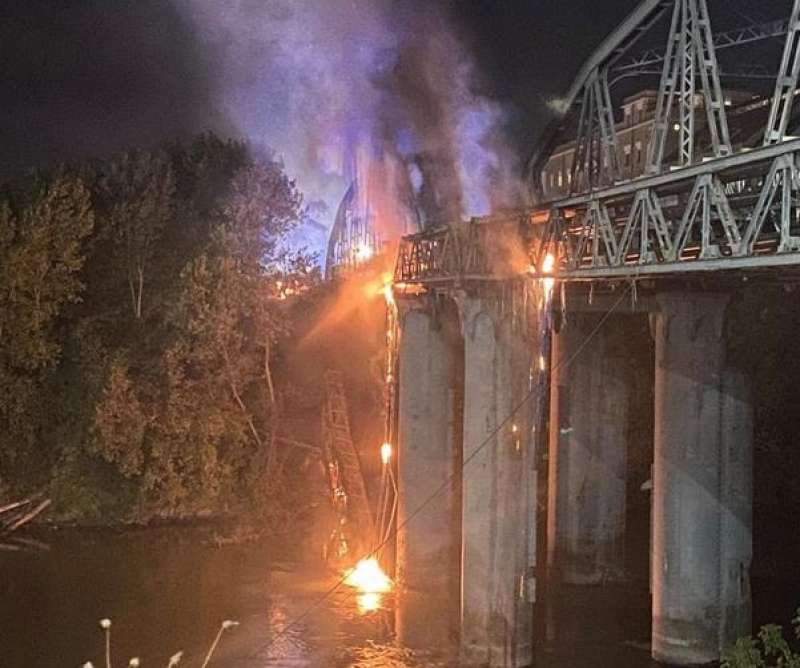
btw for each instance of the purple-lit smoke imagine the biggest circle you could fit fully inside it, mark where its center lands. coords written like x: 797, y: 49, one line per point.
x: 334, y: 86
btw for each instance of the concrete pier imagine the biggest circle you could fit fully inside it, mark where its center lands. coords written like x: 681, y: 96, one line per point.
x: 428, y: 546
x: 702, y: 538
x: 496, y: 622
x: 590, y: 400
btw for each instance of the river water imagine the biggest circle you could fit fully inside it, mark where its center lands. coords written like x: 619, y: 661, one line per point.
x: 167, y: 590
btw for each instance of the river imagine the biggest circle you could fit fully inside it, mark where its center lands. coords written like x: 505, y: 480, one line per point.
x: 169, y: 589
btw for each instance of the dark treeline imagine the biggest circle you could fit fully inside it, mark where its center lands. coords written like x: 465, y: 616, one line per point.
x: 141, y: 325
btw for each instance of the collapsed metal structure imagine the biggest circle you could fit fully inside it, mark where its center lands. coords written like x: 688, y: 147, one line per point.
x: 715, y: 205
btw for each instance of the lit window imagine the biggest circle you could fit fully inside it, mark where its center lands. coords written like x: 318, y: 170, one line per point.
x: 560, y: 178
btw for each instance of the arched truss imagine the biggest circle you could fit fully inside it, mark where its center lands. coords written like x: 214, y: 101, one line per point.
x: 687, y: 66
x: 736, y: 208
x: 354, y: 238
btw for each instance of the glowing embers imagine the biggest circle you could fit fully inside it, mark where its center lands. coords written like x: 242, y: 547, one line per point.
x: 371, y: 582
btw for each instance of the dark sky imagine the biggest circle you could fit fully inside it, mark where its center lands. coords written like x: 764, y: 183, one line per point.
x: 89, y: 77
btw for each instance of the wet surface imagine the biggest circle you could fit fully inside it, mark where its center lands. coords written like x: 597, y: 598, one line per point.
x: 595, y: 626
x: 169, y: 590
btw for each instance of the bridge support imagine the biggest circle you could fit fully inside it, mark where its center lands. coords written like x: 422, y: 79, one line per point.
x: 496, y: 621
x: 590, y: 401
x: 702, y: 488
x: 428, y: 546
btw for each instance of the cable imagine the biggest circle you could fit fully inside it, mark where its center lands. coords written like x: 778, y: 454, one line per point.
x: 448, y: 481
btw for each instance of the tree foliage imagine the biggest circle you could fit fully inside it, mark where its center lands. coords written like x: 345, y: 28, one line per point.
x: 142, y: 308
x: 769, y: 650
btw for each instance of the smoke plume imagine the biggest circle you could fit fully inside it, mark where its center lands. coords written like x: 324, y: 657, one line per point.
x: 373, y: 89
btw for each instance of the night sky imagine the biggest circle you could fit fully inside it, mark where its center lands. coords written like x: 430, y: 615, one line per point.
x: 86, y: 78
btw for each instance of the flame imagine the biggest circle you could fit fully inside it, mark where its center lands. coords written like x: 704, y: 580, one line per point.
x: 548, y: 266
x: 369, y: 602
x: 386, y: 453
x: 388, y: 294
x: 368, y: 577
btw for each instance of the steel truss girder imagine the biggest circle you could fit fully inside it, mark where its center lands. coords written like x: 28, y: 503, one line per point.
x: 690, y: 49
x: 705, y: 231
x: 678, y: 222
x: 596, y: 161
x: 782, y: 179
x: 786, y: 83
x: 723, y: 40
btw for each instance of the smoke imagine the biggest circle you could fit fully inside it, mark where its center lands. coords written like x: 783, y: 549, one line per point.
x: 374, y: 89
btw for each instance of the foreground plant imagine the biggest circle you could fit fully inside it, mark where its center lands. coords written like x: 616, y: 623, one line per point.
x: 768, y: 650
x: 227, y: 624
x: 134, y: 662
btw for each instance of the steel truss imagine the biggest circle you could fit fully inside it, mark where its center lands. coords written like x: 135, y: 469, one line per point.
x: 647, y: 60
x: 735, y: 212
x: 786, y: 83
x: 690, y: 48
x: 596, y: 158
x: 690, y: 79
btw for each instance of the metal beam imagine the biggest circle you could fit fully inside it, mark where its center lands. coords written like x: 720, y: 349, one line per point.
x: 690, y: 51
x: 715, y: 165
x: 698, y: 266
x: 724, y: 40
x: 786, y: 83
x: 617, y: 43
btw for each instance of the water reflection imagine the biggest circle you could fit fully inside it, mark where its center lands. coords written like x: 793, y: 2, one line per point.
x: 169, y: 590
x: 369, y: 602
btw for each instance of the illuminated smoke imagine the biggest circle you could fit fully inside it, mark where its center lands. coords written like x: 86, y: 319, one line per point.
x: 368, y: 89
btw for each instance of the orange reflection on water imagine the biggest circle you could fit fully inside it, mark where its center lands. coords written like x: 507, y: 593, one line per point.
x: 371, y: 582
x: 369, y: 602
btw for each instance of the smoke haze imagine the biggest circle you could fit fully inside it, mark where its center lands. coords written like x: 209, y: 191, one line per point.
x: 365, y: 89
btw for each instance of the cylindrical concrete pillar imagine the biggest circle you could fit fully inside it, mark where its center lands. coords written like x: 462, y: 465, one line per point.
x: 427, y: 574
x: 590, y: 400
x: 703, y: 441
x: 736, y: 523
x: 497, y: 615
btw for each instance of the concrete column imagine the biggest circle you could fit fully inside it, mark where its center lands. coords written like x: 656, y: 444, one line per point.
x: 701, y: 485
x: 496, y: 611
x: 427, y: 574
x: 736, y: 523
x: 590, y: 400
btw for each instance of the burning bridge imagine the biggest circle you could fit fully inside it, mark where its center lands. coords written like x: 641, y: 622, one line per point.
x: 606, y: 301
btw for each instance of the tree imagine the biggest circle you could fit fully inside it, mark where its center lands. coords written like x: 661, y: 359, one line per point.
x: 138, y: 189
x: 42, y: 233
x: 769, y: 650
x: 120, y: 423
